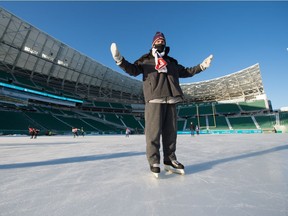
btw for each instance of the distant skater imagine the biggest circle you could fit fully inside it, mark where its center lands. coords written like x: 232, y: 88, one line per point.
x: 33, y: 132
x: 36, y: 132
x: 127, y: 132
x: 75, y: 132
x: 197, y: 130
x: 192, y: 129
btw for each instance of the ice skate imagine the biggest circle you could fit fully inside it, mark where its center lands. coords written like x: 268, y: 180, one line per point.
x: 174, y: 166
x: 155, y: 169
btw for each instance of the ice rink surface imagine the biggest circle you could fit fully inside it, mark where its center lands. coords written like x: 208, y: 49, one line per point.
x: 226, y: 175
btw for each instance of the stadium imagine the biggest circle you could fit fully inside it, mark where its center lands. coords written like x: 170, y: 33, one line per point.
x: 237, y: 166
x: 51, y: 86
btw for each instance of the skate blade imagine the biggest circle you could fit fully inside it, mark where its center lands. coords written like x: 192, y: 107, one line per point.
x: 156, y: 175
x: 173, y: 170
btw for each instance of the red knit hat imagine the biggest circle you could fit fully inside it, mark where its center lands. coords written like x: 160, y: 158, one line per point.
x: 157, y: 36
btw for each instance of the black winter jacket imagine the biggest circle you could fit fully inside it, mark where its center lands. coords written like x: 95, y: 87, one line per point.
x: 159, y: 85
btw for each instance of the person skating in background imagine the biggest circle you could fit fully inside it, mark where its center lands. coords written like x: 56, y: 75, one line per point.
x: 162, y: 92
x: 36, y: 132
x: 197, y: 128
x: 31, y: 132
x: 75, y: 132
x: 192, y: 128
x: 127, y: 132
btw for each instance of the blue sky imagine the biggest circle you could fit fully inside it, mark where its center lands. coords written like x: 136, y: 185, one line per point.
x: 238, y: 34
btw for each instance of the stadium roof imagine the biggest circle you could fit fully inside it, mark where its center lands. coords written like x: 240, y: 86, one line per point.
x: 245, y: 84
x: 27, y: 52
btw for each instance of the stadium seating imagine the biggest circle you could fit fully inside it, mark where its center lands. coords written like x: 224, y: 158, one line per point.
x: 130, y: 121
x: 49, y: 122
x: 102, y: 128
x: 180, y: 124
x: 117, y: 105
x: 113, y: 118
x: 14, y: 122
x: 102, y: 104
x: 205, y: 109
x: 253, y: 105
x: 231, y: 108
x: 187, y: 111
x: 283, y: 118
x: 6, y: 77
x: 218, y: 123
x: 244, y: 122
x: 266, y: 122
x: 21, y: 81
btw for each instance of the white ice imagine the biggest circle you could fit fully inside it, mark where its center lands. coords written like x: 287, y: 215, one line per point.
x: 226, y: 175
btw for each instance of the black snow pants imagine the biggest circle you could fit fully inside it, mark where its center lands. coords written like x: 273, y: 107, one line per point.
x: 160, y: 122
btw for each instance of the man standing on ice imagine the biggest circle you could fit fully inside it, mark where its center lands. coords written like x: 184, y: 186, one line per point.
x: 162, y: 92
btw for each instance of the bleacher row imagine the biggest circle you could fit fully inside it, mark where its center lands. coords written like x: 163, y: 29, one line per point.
x: 61, y: 121
x: 230, y: 116
x: 15, y: 119
x: 222, y: 108
x: 31, y: 84
x: 264, y: 122
x: 16, y: 115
